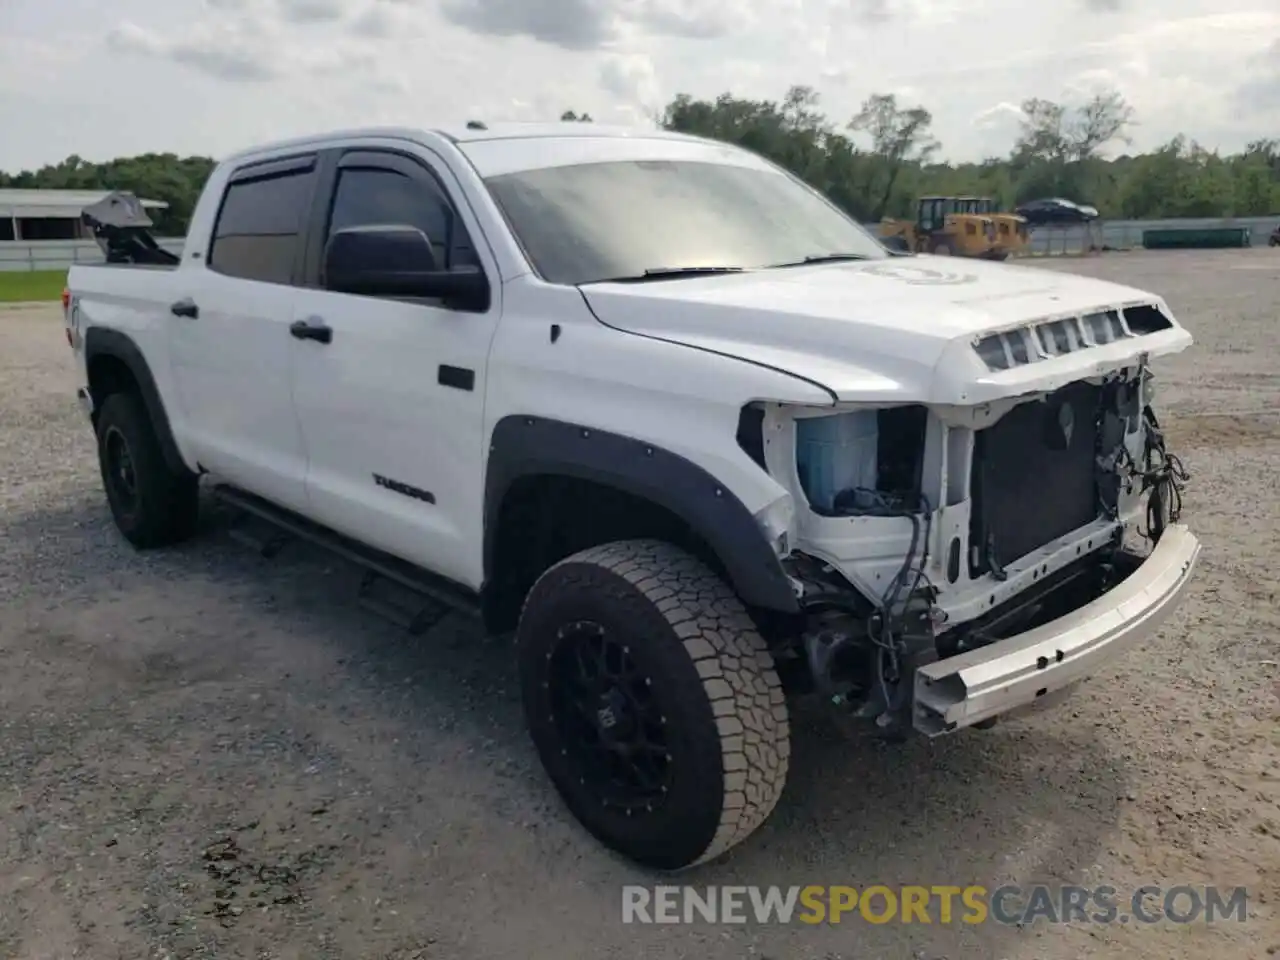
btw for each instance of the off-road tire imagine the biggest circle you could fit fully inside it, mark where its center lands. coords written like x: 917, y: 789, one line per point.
x: 163, y: 508
x: 940, y: 248
x: 711, y: 675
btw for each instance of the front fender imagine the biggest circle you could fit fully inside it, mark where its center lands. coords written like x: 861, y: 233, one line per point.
x: 527, y: 446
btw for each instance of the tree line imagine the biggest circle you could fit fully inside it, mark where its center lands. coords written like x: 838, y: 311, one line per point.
x: 884, y: 157
x: 873, y: 165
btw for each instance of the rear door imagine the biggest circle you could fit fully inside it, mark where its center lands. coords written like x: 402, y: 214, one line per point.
x: 392, y: 404
x: 231, y: 352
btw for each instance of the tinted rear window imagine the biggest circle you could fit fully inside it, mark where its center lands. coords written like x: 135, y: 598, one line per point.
x: 259, y: 226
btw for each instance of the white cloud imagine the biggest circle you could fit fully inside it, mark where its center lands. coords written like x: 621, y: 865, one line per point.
x: 215, y: 75
x: 224, y: 50
x: 589, y: 24
x: 997, y: 126
x: 128, y: 37
x: 384, y: 21
x: 999, y: 115
x: 1262, y: 90
x: 313, y: 11
x: 631, y: 79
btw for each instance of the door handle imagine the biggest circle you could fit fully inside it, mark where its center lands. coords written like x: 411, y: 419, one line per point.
x: 312, y: 329
x: 186, y: 307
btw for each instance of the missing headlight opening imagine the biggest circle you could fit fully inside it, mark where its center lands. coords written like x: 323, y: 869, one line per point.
x: 865, y: 644
x: 932, y: 533
x: 864, y: 462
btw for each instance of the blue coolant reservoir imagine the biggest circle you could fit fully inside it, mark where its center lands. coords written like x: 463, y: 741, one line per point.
x: 835, y: 453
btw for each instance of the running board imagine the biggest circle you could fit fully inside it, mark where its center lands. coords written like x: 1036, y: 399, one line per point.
x: 424, y: 599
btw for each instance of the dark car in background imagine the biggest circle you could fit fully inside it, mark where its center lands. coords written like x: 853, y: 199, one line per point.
x: 1274, y: 240
x: 1055, y: 210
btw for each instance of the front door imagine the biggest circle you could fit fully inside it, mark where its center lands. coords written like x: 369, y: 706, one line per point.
x: 230, y: 349
x: 392, y: 405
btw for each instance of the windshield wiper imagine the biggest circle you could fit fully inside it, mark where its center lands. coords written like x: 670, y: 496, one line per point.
x: 670, y: 273
x: 823, y: 258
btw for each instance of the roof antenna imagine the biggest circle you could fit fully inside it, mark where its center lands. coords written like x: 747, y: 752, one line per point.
x: 476, y: 125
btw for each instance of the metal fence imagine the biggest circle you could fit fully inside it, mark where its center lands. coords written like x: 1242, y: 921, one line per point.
x: 1045, y: 241
x: 1127, y: 234
x: 33, y: 255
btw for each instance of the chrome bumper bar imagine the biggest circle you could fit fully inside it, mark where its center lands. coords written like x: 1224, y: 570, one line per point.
x: 963, y: 690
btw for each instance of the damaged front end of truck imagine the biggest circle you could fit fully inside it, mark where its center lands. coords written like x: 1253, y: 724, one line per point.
x: 967, y: 555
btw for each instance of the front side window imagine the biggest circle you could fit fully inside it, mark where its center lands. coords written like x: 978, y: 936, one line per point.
x: 590, y: 222
x: 370, y: 196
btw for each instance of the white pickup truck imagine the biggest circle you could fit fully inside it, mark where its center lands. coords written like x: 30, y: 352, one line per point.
x: 666, y: 413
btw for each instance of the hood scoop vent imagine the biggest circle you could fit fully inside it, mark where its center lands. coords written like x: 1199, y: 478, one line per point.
x: 1043, y: 340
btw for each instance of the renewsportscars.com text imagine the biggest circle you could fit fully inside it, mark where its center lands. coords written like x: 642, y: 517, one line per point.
x: 936, y: 904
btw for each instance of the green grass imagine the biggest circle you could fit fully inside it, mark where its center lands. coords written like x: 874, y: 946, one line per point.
x: 17, y: 286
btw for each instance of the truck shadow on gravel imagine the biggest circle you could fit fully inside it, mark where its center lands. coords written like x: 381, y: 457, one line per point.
x: 424, y: 737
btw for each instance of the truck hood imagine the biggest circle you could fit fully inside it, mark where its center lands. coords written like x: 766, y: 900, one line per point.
x: 908, y: 330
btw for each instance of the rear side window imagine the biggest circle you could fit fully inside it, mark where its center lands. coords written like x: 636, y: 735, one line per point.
x: 259, y: 226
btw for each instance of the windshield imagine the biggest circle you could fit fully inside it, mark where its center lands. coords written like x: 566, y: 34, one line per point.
x: 601, y: 221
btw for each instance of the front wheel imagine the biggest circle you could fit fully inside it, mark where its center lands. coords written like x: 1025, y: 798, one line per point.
x: 653, y: 702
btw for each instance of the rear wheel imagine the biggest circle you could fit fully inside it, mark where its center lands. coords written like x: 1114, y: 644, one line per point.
x: 940, y: 248
x: 653, y: 702
x: 151, y: 504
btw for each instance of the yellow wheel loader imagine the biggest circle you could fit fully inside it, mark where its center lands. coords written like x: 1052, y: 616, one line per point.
x: 1011, y: 229
x: 957, y: 226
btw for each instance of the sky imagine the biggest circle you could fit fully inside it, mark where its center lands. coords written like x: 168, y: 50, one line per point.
x: 102, y: 80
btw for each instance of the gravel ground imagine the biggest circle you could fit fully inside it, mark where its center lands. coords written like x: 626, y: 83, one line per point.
x: 206, y: 754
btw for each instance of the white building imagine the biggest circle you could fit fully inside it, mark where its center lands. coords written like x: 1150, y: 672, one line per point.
x: 27, y: 215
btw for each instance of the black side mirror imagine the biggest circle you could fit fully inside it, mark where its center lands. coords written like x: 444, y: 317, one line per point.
x: 397, y: 260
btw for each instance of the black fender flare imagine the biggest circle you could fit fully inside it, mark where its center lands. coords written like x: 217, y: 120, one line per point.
x: 528, y: 446
x: 103, y: 342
